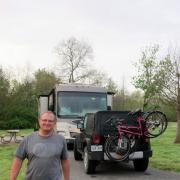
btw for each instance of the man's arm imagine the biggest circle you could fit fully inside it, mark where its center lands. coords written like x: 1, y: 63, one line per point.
x: 66, y: 169
x: 15, y: 168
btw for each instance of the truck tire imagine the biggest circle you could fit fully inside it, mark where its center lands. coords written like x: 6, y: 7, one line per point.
x: 89, y: 165
x: 77, y: 155
x: 141, y: 164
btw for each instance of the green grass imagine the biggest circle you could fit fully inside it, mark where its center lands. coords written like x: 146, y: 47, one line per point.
x: 166, y: 154
x: 7, y: 155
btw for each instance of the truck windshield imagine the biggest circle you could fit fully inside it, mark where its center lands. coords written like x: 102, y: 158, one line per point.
x: 77, y: 104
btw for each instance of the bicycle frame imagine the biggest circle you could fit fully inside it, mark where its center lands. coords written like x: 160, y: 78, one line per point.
x: 139, y: 130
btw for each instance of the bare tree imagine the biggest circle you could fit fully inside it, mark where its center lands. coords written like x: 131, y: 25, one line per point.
x: 75, y: 56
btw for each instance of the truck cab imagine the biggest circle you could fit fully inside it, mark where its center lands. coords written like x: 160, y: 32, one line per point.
x: 70, y: 103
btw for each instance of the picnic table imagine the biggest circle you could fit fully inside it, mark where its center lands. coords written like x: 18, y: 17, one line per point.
x: 11, y: 136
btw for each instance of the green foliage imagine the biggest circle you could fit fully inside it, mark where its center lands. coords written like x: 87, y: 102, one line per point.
x: 146, y: 80
x: 4, y: 91
x: 44, y: 81
x: 19, y: 100
x: 123, y: 101
x: 157, y: 79
x: 170, y: 111
x: 16, y: 123
x: 167, y: 78
x: 19, y: 103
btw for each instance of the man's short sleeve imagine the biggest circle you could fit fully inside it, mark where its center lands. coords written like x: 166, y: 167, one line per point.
x: 64, y: 154
x: 21, y: 151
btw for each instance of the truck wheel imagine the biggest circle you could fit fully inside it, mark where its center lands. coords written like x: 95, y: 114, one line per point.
x: 89, y: 165
x: 77, y: 155
x: 141, y: 164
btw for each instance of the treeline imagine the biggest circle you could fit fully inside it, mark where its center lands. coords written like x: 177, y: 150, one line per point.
x: 19, y: 100
x: 158, y: 80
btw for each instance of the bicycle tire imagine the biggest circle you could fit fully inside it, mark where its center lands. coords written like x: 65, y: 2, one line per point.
x: 156, y: 123
x: 117, y: 149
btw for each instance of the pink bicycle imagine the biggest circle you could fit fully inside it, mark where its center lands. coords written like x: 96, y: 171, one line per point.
x: 148, y: 125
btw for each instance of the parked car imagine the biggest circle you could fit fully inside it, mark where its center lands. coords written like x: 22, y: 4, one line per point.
x: 89, y: 145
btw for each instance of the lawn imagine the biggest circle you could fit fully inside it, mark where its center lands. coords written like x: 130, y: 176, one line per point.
x: 6, y: 157
x: 166, y: 154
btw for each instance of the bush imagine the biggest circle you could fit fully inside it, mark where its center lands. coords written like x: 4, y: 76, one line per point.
x: 16, y: 123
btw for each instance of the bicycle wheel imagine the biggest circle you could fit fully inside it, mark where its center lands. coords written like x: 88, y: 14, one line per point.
x: 156, y: 123
x: 117, y: 149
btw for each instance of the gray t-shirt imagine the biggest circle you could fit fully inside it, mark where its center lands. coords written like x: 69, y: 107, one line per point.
x: 44, y: 155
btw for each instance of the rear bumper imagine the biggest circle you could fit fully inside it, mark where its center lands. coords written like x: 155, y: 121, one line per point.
x: 140, y: 154
x: 100, y: 156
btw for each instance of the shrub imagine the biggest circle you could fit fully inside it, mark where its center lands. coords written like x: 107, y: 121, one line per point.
x: 16, y: 123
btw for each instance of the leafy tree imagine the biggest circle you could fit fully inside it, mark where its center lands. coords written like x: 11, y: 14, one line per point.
x: 45, y: 81
x: 146, y: 79
x: 4, y: 94
x: 160, y: 81
x: 23, y: 103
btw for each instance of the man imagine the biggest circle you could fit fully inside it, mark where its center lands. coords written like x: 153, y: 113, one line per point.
x: 46, y: 152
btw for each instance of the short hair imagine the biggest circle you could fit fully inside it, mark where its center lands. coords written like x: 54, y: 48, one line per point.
x: 48, y: 112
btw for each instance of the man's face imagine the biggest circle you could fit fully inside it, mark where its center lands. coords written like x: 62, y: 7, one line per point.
x: 47, y: 122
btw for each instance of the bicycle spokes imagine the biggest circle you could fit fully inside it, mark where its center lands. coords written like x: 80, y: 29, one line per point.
x: 156, y: 123
x: 117, y: 149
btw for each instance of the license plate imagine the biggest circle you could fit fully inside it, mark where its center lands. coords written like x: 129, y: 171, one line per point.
x: 96, y: 148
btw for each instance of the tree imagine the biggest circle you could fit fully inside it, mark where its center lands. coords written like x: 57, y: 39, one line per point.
x: 23, y: 100
x: 4, y: 94
x: 44, y: 81
x: 147, y: 72
x: 74, y: 56
x: 169, y: 84
x: 4, y: 83
x: 160, y: 81
x: 111, y: 86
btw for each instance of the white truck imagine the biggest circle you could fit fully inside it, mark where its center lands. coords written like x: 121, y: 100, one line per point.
x: 70, y: 103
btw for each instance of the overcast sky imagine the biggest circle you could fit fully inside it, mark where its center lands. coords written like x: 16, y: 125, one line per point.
x: 117, y: 30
